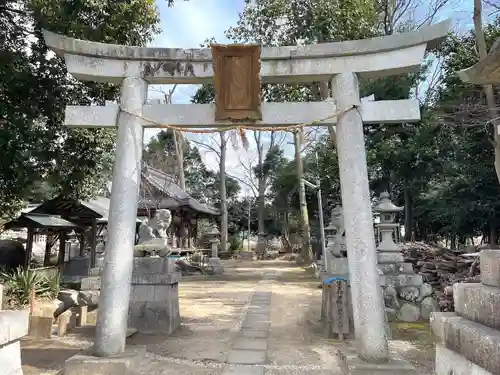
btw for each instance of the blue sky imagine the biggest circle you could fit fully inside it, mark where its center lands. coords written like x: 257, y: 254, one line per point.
x: 190, y: 23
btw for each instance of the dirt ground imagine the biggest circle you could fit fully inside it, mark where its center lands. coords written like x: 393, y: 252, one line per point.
x: 212, y: 309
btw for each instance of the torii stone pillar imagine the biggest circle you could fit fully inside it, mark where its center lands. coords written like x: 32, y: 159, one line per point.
x: 468, y: 340
x: 340, y: 63
x: 368, y: 306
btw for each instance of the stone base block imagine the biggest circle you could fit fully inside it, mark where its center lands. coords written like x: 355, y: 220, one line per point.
x: 154, y: 308
x: 490, y: 267
x: 479, y: 303
x: 337, y: 267
x: 395, y: 366
x: 152, y: 266
x: 473, y: 341
x: 390, y: 258
x: 127, y: 363
x: 448, y: 362
x: 402, y: 280
x: 216, y: 264
x: 40, y: 326
x: 91, y: 283
x: 396, y: 268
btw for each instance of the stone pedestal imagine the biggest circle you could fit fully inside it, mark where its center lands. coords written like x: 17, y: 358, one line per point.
x: 154, y: 299
x: 395, y: 366
x: 154, y: 246
x: 125, y: 363
x: 13, y: 326
x: 468, y: 340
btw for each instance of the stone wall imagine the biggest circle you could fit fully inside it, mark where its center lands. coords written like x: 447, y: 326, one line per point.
x: 13, y: 326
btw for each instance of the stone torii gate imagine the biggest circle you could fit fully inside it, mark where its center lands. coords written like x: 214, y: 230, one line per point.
x: 341, y: 63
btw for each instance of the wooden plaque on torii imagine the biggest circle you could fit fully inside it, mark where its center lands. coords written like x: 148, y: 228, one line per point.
x: 237, y: 82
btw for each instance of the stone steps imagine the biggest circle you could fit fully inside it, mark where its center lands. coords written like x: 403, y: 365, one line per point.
x: 478, y: 303
x: 475, y: 342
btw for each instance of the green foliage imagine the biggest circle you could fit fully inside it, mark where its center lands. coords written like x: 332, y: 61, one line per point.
x: 440, y: 169
x: 21, y: 282
x: 35, y: 88
x: 235, y: 244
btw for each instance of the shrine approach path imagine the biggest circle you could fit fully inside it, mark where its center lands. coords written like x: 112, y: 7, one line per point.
x: 259, y: 318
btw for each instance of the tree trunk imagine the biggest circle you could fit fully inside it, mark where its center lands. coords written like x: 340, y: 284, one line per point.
x: 304, y: 215
x: 493, y: 234
x: 453, y: 242
x: 223, y: 198
x: 488, y: 89
x: 179, y: 150
x: 408, y: 213
x: 48, y: 249
x: 261, y: 199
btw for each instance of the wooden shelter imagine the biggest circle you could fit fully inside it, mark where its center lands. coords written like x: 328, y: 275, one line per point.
x: 159, y: 190
x: 78, y: 215
x: 54, y: 226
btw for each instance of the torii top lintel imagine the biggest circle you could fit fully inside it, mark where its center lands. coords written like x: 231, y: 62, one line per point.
x: 381, y: 56
x: 486, y: 71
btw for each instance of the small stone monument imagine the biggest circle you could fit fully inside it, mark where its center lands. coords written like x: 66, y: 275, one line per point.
x: 407, y: 298
x: 214, y: 261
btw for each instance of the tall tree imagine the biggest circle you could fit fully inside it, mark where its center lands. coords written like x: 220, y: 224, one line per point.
x: 35, y: 88
x: 488, y: 89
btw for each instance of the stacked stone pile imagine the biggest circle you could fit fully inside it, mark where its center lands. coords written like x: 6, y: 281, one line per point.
x: 441, y: 268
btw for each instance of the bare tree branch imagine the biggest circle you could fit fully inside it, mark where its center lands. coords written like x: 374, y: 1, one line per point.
x: 207, y: 146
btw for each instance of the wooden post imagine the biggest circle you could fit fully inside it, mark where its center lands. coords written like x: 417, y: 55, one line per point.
x: 337, y: 311
x: 29, y: 246
x: 32, y: 300
x: 93, y: 243
x: 81, y: 238
x: 62, y: 251
x: 49, y: 242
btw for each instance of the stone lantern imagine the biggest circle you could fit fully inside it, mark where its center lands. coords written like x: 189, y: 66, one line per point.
x: 213, y: 236
x: 387, y: 226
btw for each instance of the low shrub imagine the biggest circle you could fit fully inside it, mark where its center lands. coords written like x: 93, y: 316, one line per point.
x: 20, y: 282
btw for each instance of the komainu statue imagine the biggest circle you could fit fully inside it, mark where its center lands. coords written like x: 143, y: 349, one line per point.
x: 153, y: 239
